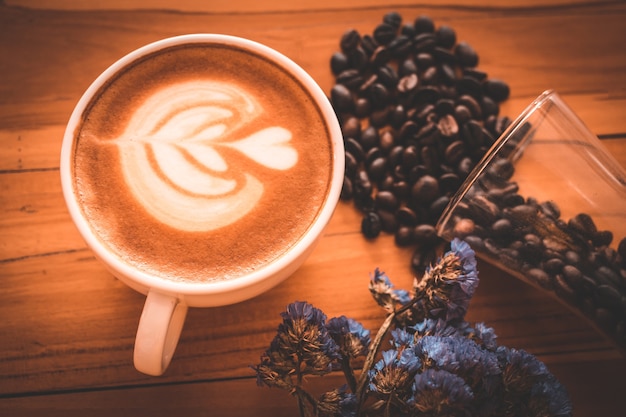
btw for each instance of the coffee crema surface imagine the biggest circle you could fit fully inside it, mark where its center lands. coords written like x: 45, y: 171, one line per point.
x: 201, y: 162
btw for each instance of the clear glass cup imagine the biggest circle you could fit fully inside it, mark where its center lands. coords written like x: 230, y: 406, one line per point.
x: 547, y: 204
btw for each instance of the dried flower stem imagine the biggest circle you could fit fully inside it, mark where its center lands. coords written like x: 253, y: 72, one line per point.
x: 374, y: 348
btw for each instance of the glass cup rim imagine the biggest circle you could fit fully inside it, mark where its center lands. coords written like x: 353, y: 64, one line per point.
x: 510, y: 131
x: 135, y: 277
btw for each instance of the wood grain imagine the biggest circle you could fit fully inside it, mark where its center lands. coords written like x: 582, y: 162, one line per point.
x: 68, y: 327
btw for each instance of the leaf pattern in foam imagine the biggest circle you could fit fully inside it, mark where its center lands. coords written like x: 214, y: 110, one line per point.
x: 169, y: 154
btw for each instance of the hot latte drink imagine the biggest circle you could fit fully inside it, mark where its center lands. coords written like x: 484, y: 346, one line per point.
x: 201, y: 162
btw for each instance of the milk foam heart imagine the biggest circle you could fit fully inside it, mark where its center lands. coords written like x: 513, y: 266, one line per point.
x: 171, y: 157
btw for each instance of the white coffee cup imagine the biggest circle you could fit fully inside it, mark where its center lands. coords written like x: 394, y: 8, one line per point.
x: 167, y: 301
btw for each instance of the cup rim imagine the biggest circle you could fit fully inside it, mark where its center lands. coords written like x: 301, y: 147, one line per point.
x: 267, y: 273
x: 510, y: 131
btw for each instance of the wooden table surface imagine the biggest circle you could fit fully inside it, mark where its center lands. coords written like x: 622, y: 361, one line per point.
x: 67, y: 326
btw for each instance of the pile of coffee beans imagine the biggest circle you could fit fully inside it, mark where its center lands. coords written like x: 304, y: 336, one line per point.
x: 416, y: 115
x: 570, y: 257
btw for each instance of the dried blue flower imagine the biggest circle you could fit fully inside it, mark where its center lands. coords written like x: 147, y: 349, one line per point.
x: 440, y: 393
x: 440, y: 365
x: 463, y: 357
x: 350, y: 335
x: 391, y: 378
x: 302, y: 344
x: 384, y: 293
x: 402, y: 339
x: 448, y: 286
x: 337, y: 403
x: 549, y: 398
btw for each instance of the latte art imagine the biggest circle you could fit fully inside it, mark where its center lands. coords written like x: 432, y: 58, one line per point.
x: 201, y: 162
x: 171, y: 160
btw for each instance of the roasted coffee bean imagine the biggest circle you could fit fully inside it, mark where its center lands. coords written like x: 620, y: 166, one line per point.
x: 573, y: 276
x: 475, y: 73
x: 404, y: 236
x: 371, y: 225
x: 429, y: 75
x: 605, y: 275
x: 351, y: 128
x: 380, y: 117
x: 502, y: 228
x: 378, y: 95
x: 369, y: 44
x: 387, y: 76
x: 401, y: 189
x: 466, y: 55
x: 341, y: 98
x: 490, y: 109
x: 564, y: 290
x: 387, y: 220
x: 472, y: 134
x: 361, y: 184
x: 424, y: 60
x: 583, y: 224
x: 430, y: 158
x: 393, y: 19
x: 377, y: 169
x: 346, y: 190
x: 426, y: 95
x: 446, y: 36
x: 351, y: 164
x: 462, y: 114
x: 406, y: 216
x: 498, y: 90
x: 449, y: 183
x: 407, y: 67
x: 445, y: 69
x: 386, y: 184
x: 362, y: 107
x: 372, y: 154
x: 410, y: 157
x: 386, y: 200
x: 425, y: 234
x: 425, y: 190
x: 350, y: 40
x: 424, y: 42
x: 428, y: 134
x: 358, y: 59
x: 408, y: 30
x: 602, y: 238
x: 454, y: 152
x: 472, y: 87
x: 384, y: 33
x: 472, y: 105
x: 501, y: 169
x: 369, y: 138
x: 424, y: 24
x: 354, y: 148
x: 553, y: 265
x: 386, y: 141
x: 338, y: 63
x: 540, y: 277
x: 351, y: 78
x: 438, y: 206
x: 407, y: 84
x: 400, y: 47
x: 397, y: 116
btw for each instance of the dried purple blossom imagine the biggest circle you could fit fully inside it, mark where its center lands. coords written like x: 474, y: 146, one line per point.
x: 384, y: 293
x: 350, y: 335
x: 302, y: 344
x: 440, y: 393
x: 337, y: 403
x: 391, y: 378
x: 463, y: 357
x: 447, y: 287
x: 440, y: 365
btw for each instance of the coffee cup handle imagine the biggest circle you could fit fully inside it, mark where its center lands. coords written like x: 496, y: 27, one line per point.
x: 159, y: 329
